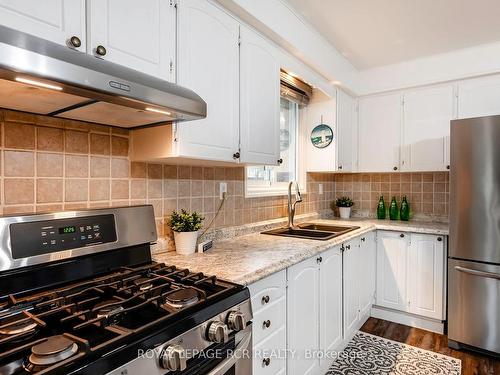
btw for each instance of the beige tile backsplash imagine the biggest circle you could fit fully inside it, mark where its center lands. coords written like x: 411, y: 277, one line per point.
x: 50, y: 164
x: 427, y: 192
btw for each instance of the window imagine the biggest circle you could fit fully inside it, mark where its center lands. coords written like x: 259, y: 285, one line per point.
x: 273, y: 180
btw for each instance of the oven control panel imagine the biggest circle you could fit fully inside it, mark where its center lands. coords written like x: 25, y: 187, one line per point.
x: 42, y: 237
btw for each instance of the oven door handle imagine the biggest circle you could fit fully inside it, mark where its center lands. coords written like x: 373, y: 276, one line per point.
x: 225, y: 365
x: 490, y: 275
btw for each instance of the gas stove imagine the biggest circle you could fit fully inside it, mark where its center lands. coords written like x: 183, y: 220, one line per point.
x: 79, y: 294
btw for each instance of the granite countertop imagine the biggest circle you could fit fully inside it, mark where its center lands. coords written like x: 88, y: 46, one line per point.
x: 249, y: 258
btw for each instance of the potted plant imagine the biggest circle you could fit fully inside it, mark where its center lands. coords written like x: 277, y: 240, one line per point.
x: 185, y: 226
x: 344, y: 204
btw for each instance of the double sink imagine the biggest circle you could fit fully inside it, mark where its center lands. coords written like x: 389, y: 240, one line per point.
x: 312, y: 231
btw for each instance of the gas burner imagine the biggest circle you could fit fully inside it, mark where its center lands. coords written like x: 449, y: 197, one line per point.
x: 182, y: 298
x: 107, y: 308
x: 17, y: 328
x: 54, y: 349
x: 143, y: 283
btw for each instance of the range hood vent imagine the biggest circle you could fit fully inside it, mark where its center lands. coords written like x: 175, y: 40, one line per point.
x: 46, y: 78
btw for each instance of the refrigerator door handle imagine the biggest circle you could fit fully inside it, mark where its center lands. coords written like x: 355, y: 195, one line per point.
x: 490, y: 275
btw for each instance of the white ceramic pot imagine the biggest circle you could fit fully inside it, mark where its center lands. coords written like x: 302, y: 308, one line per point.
x: 345, y: 212
x: 185, y: 242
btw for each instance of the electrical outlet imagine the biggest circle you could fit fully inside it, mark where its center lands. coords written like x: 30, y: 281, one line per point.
x: 321, y: 189
x: 222, y: 189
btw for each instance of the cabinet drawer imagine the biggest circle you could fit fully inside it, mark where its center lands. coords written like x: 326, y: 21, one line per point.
x: 268, y: 320
x: 266, y: 291
x: 273, y: 348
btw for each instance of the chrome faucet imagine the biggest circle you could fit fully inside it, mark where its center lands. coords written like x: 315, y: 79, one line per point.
x: 291, y: 206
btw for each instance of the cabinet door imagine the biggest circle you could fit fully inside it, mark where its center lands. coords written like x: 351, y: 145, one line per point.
x: 208, y: 63
x: 259, y: 100
x: 351, y: 286
x: 303, y: 316
x: 426, y: 128
x: 367, y: 261
x: 137, y: 34
x: 392, y: 252
x: 346, y: 143
x: 426, y: 279
x: 330, y: 302
x: 379, y: 119
x: 54, y: 20
x: 479, y: 97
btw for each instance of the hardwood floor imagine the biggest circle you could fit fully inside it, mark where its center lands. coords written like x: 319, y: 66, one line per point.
x: 472, y: 363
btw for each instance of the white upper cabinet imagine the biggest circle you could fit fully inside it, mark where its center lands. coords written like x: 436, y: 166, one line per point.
x: 54, y: 20
x: 208, y: 63
x: 346, y: 132
x: 259, y: 100
x: 427, y: 113
x: 392, y: 255
x: 479, y: 97
x: 379, y: 119
x: 426, y: 276
x: 137, y: 34
x: 303, y: 316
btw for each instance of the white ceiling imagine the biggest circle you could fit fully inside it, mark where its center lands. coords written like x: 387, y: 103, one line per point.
x: 372, y: 33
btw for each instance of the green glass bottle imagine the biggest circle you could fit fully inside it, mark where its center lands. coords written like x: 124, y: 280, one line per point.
x: 393, y: 209
x: 381, y: 208
x: 404, y: 213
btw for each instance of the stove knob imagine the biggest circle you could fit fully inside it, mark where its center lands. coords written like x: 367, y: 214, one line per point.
x: 236, y: 321
x: 173, y: 358
x: 218, y: 332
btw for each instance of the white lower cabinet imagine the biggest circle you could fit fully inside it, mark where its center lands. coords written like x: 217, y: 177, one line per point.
x: 427, y: 276
x: 358, y: 259
x: 368, y: 261
x: 303, y: 316
x: 314, y: 308
x: 330, y: 302
x: 392, y: 256
x: 411, y: 273
x: 268, y: 298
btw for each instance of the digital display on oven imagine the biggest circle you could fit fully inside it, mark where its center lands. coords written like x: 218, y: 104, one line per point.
x: 67, y: 230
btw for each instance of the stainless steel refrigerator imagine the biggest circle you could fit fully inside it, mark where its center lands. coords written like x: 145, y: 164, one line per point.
x: 474, y: 253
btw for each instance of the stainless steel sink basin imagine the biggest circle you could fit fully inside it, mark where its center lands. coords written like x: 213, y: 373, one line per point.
x: 312, y: 231
x: 338, y: 229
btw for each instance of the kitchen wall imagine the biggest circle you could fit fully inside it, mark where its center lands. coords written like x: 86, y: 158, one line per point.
x: 52, y: 164
x: 427, y: 192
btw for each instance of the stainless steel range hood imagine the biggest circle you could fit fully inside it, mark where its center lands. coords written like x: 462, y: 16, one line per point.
x: 46, y: 78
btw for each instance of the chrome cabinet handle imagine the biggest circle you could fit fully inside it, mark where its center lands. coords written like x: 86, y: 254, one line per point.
x: 100, y: 50
x: 265, y: 299
x: 74, y: 41
x: 490, y: 275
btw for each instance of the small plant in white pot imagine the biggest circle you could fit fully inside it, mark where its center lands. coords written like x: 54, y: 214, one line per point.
x: 344, y: 204
x: 185, y: 226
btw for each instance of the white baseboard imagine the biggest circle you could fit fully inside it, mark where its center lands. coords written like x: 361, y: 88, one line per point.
x: 407, y: 319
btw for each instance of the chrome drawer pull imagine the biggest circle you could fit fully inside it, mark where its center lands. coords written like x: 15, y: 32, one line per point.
x: 266, y: 324
x: 265, y: 300
x: 490, y: 275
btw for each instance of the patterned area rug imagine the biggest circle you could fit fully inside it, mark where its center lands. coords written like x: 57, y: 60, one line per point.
x: 372, y: 355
